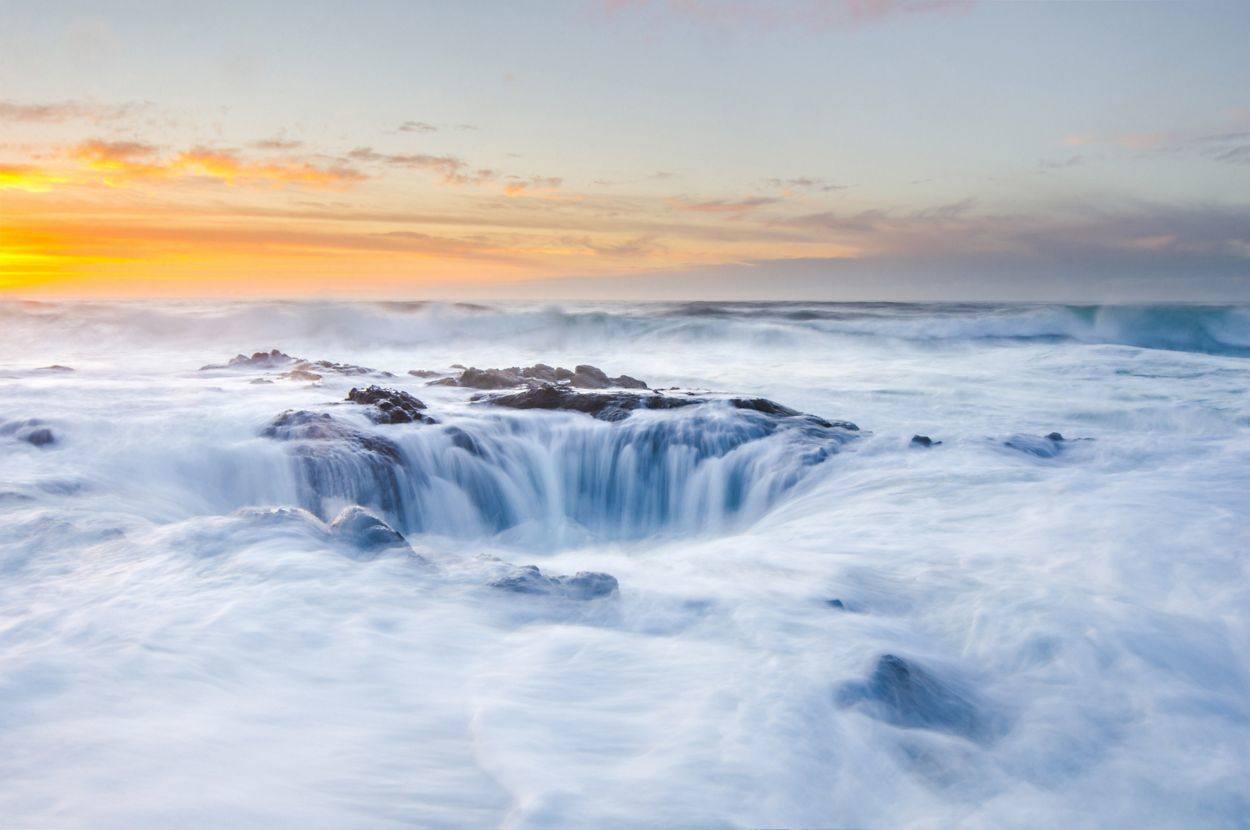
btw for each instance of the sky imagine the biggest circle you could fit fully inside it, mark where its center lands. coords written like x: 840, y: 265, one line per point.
x: 666, y: 149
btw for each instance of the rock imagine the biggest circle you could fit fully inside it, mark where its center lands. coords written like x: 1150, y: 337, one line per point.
x: 55, y: 368
x: 425, y: 373
x: 589, y: 377
x: 337, y: 463
x: 626, y: 382
x: 1047, y: 446
x: 836, y: 603
x: 583, y: 377
x: 583, y: 585
x: 365, y: 532
x: 31, y: 430
x: 474, y: 378
x: 902, y: 693
x: 260, y: 381
x: 300, y: 425
x: 540, y: 371
x: 390, y: 406
x: 616, y: 406
x: 465, y: 441
x: 297, y: 368
x: 272, y: 359
x: 40, y: 437
x: 924, y: 441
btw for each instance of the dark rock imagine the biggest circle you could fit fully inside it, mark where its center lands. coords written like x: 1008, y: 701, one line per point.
x: 626, y: 382
x: 540, y: 371
x: 259, y: 381
x: 390, y: 406
x: 337, y: 463
x: 55, y: 368
x: 616, y: 406
x: 465, y: 441
x: 924, y: 441
x: 902, y: 693
x: 583, y: 585
x: 836, y: 603
x: 297, y: 368
x: 583, y: 377
x: 589, y: 377
x: 300, y: 425
x: 425, y: 373
x: 40, y: 437
x: 475, y: 378
x: 1041, y: 447
x: 31, y: 430
x: 365, y: 532
x: 259, y: 360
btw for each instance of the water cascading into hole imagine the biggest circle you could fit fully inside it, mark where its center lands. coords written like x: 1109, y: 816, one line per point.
x: 710, y: 467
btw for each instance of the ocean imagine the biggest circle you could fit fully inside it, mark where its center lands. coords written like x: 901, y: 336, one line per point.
x: 744, y: 615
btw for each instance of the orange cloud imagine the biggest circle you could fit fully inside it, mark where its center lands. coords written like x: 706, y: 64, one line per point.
x: 27, y: 177
x: 126, y: 160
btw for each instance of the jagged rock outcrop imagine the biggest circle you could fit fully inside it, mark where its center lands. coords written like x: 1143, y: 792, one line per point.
x: 390, y: 406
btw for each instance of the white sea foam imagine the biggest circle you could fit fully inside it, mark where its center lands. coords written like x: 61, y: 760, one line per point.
x: 176, y: 651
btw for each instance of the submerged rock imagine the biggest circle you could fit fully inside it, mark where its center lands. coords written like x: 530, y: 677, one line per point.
x: 300, y: 425
x: 31, y: 430
x: 338, y: 463
x: 390, y: 406
x: 901, y: 693
x: 924, y: 441
x: 425, y: 373
x: 582, y: 585
x: 55, y: 368
x: 365, y: 532
x: 1047, y: 446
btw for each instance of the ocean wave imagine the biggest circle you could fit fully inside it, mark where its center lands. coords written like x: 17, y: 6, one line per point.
x: 313, y: 325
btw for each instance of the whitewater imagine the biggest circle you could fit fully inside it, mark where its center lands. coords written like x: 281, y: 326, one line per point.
x: 230, y: 597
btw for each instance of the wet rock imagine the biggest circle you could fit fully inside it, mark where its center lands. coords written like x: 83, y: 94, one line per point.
x: 924, y: 441
x: 55, y: 368
x: 475, y: 378
x: 312, y: 428
x: 32, y: 431
x: 260, y: 381
x: 296, y: 368
x: 365, y: 532
x: 616, y: 406
x: 390, y: 406
x: 337, y: 463
x: 901, y: 693
x: 836, y: 603
x: 627, y: 382
x: 465, y: 441
x: 583, y: 585
x: 272, y: 359
x: 583, y: 377
x: 1047, y: 446
x: 425, y: 373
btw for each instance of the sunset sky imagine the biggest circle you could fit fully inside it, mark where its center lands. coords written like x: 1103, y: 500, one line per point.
x: 671, y: 148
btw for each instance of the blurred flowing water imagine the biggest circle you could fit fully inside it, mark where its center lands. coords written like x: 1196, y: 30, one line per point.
x: 1018, y: 639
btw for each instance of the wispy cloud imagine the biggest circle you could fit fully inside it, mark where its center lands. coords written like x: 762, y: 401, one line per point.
x: 804, y: 183
x: 517, y: 186
x: 735, y: 207
x: 124, y: 161
x: 60, y: 111
x: 451, y: 169
x: 417, y: 127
